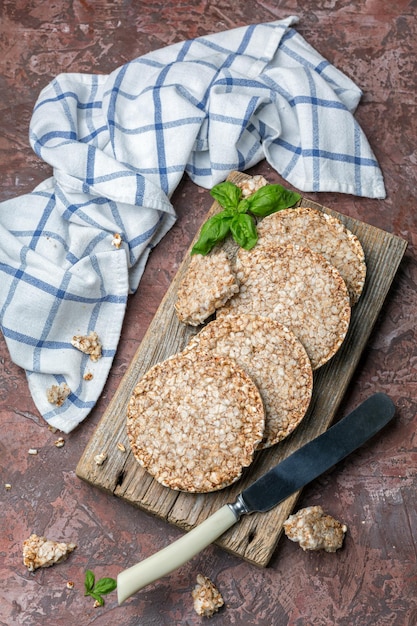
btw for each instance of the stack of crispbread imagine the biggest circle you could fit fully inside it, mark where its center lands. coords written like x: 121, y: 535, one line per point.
x: 244, y: 381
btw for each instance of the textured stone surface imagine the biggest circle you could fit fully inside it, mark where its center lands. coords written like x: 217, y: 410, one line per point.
x: 372, y: 580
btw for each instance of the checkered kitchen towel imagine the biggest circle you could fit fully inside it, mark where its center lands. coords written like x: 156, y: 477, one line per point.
x: 119, y: 145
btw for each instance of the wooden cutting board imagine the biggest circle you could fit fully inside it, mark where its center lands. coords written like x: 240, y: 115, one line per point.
x: 255, y: 537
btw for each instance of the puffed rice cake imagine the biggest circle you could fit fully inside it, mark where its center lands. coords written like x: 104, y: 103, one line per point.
x: 322, y: 233
x: 273, y: 358
x: 195, y: 424
x: 298, y: 288
x: 208, y: 283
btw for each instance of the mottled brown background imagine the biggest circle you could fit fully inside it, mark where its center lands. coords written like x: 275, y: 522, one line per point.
x: 373, y: 579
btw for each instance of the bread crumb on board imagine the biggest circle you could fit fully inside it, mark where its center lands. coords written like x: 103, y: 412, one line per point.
x: 42, y: 552
x: 250, y: 185
x: 313, y: 529
x: 100, y: 458
x: 207, y: 598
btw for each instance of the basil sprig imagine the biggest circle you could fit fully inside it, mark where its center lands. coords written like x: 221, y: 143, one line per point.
x: 98, y: 589
x: 237, y: 217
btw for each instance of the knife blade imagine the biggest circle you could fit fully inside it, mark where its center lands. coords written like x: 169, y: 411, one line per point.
x: 283, y: 480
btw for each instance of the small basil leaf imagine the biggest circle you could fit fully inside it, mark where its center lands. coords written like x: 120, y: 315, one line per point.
x: 227, y: 194
x: 105, y: 585
x: 212, y: 232
x: 270, y: 199
x: 97, y: 597
x: 244, y: 231
x: 243, y: 206
x: 89, y: 580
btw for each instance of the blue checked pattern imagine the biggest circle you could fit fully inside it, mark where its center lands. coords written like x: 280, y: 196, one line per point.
x: 119, y: 145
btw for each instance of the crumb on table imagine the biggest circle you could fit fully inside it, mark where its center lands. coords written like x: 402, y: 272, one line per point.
x: 206, y: 596
x: 42, y: 552
x: 313, y: 529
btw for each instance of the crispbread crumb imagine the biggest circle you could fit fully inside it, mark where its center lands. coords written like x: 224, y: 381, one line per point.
x: 298, y: 288
x: 275, y: 360
x: 315, y: 530
x: 117, y: 240
x: 250, y: 185
x: 194, y: 424
x: 323, y: 233
x: 100, y: 458
x: 208, y: 283
x: 89, y: 344
x: 57, y: 394
x: 42, y: 552
x: 206, y: 596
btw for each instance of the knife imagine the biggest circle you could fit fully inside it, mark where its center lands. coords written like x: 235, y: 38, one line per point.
x: 286, y: 478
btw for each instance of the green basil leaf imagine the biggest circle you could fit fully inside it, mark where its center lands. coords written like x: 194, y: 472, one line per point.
x: 227, y: 194
x: 270, y: 199
x: 212, y: 232
x: 89, y: 580
x: 105, y: 585
x: 243, y: 206
x: 244, y: 232
x: 97, y: 597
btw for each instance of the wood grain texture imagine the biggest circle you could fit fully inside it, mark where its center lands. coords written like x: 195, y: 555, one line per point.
x: 255, y: 537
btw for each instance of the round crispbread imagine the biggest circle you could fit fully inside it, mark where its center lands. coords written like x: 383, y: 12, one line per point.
x: 208, y: 283
x: 323, y: 233
x: 194, y: 424
x: 298, y: 288
x: 274, y: 359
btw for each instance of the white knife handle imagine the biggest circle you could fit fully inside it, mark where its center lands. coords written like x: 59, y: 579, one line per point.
x: 176, y: 554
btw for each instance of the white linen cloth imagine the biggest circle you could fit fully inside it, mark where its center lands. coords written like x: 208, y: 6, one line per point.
x: 119, y: 145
